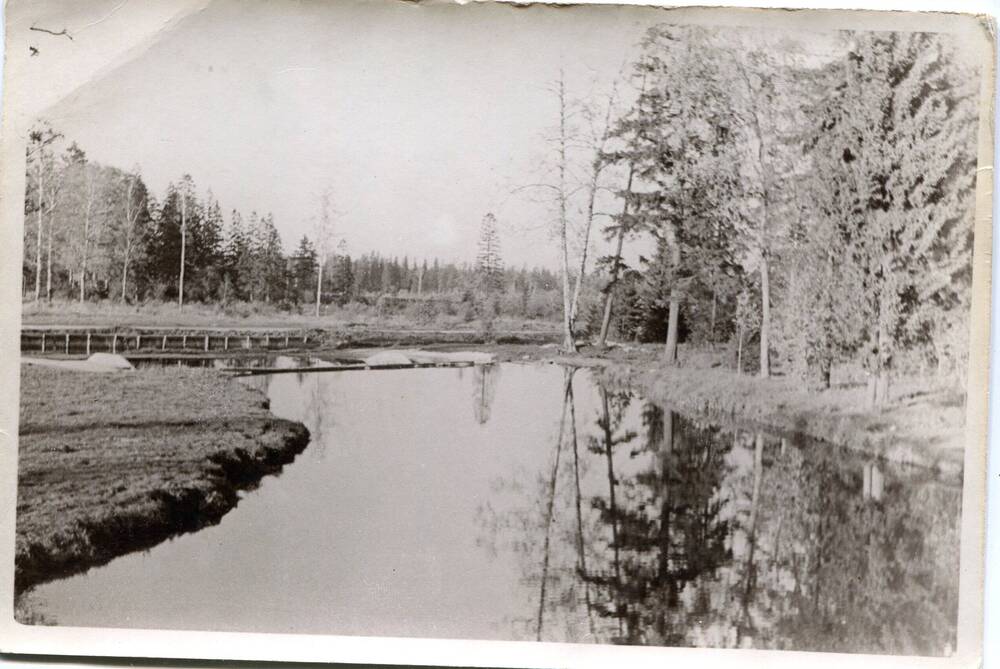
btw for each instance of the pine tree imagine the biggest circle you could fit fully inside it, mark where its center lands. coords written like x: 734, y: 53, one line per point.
x: 901, y: 135
x: 489, y: 263
x: 677, y: 138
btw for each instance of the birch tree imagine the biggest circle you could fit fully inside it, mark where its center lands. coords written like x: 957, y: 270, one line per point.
x: 323, y: 237
x: 134, y: 208
x: 43, y: 181
x: 600, y: 132
x: 757, y: 90
x: 186, y: 191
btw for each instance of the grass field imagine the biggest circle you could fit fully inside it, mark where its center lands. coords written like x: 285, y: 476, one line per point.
x: 109, y: 463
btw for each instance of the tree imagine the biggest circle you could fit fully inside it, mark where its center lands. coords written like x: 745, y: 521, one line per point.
x: 43, y: 180
x: 600, y: 132
x: 304, y: 265
x: 323, y: 239
x: 678, y: 138
x: 756, y: 76
x: 489, y: 264
x: 900, y: 134
x: 186, y: 191
x: 135, y: 214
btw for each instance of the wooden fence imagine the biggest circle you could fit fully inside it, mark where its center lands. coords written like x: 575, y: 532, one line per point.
x: 84, y: 341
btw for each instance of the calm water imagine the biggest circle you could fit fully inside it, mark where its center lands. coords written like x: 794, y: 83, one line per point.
x: 529, y: 502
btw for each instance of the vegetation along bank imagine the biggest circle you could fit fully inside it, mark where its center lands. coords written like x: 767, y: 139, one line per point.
x: 112, y: 463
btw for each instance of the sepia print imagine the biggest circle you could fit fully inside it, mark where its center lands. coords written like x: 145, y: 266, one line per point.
x: 605, y: 325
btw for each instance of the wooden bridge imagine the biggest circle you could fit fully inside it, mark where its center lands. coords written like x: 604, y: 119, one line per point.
x: 84, y: 340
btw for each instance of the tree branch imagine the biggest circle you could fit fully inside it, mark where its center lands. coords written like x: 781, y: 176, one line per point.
x: 52, y: 32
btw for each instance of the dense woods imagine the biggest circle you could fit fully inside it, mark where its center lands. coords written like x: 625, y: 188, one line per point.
x: 804, y: 207
x: 813, y: 207
x: 97, y: 233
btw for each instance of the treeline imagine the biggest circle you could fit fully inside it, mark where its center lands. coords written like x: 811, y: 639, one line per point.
x: 94, y: 232
x: 816, y: 207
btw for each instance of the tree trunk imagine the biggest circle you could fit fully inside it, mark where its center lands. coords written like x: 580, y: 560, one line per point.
x: 739, y: 350
x: 180, y: 286
x: 86, y: 244
x: 711, y: 323
x: 38, y: 241
x: 765, y: 321
x: 48, y: 264
x: 670, y: 351
x: 319, y: 287
x: 595, y: 175
x: 883, y: 372
x: 125, y: 274
x: 609, y: 290
x: 569, y: 344
x: 673, y: 316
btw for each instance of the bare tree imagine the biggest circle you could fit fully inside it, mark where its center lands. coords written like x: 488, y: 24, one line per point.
x: 131, y: 232
x: 598, y: 144
x: 569, y: 343
x: 323, y: 239
x: 90, y: 195
x: 39, y: 156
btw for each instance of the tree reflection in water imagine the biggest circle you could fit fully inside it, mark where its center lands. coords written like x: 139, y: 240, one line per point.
x: 669, y: 530
x: 484, y: 390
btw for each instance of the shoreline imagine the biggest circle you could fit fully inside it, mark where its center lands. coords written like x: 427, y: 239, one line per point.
x: 229, y: 441
x: 86, y: 496
x: 923, y: 425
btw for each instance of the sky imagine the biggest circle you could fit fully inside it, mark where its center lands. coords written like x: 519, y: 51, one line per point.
x: 419, y: 119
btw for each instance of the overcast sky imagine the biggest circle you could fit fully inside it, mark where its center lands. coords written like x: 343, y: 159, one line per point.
x: 420, y: 119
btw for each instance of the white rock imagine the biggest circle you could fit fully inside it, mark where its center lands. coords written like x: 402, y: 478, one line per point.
x: 110, y: 360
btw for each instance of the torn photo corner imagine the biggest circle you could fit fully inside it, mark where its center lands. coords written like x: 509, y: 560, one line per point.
x: 494, y: 335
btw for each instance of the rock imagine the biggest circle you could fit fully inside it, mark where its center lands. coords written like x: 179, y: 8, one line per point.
x: 111, y: 360
x: 98, y: 362
x: 384, y: 358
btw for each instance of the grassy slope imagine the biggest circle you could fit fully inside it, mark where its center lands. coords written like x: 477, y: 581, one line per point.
x: 110, y: 463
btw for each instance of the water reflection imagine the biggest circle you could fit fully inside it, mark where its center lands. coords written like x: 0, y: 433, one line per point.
x: 485, y: 387
x: 682, y: 533
x: 534, y: 502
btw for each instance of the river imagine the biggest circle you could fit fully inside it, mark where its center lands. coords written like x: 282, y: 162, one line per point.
x: 527, y: 501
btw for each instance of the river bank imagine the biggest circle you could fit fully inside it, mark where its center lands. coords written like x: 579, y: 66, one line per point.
x: 922, y: 424
x: 112, y: 463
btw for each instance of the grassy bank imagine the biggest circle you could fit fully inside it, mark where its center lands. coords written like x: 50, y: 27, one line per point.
x: 922, y: 424
x: 112, y: 463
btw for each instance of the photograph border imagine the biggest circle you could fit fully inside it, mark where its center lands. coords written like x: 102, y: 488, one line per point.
x: 17, y: 638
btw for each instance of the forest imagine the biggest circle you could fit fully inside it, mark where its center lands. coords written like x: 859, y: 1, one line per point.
x: 95, y: 233
x: 802, y: 208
